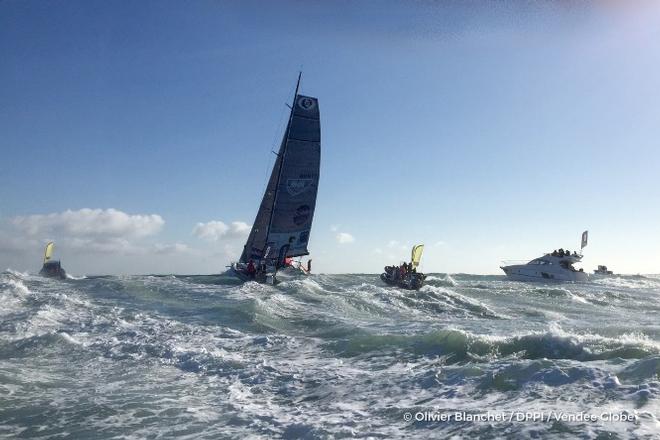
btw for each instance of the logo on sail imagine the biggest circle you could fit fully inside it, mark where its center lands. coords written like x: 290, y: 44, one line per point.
x: 302, y: 215
x: 298, y: 186
x: 306, y: 103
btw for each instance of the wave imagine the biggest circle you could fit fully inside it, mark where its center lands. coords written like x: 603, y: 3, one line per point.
x: 648, y: 368
x: 446, y: 281
x: 16, y: 273
x: 460, y: 345
x: 462, y: 302
x: 14, y: 285
x: 345, y: 345
x: 628, y: 282
x: 514, y: 376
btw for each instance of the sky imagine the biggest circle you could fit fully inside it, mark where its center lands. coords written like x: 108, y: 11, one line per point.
x: 139, y: 135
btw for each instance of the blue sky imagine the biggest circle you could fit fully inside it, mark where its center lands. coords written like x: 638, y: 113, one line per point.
x: 487, y: 130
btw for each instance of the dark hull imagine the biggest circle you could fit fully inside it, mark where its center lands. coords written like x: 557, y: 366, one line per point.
x: 58, y: 274
x: 414, y: 282
x: 259, y: 278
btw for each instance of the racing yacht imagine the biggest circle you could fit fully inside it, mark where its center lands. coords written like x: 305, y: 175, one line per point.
x: 283, y: 224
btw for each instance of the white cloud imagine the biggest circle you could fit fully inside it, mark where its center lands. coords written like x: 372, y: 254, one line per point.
x: 86, y: 231
x: 334, y: 228
x: 211, y: 231
x: 107, y: 241
x: 169, y: 249
x: 439, y: 243
x: 240, y: 229
x: 116, y: 245
x: 345, y: 237
x: 89, y: 223
x: 101, y: 245
x: 216, y: 229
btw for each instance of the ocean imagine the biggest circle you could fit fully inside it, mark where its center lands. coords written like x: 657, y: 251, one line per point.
x: 328, y: 356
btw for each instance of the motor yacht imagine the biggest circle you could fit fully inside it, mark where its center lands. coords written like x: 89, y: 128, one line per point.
x: 550, y: 266
x: 556, y: 265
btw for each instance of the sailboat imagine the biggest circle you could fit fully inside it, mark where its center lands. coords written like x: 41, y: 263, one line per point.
x: 282, y: 228
x: 51, y: 268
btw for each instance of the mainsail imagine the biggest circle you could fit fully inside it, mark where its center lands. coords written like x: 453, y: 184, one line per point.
x: 416, y: 254
x: 284, y: 220
x: 48, y: 253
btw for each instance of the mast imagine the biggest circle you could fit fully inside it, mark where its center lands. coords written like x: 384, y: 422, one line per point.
x: 283, y: 154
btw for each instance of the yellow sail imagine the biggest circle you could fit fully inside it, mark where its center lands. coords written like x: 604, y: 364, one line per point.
x: 416, y: 254
x: 49, y: 251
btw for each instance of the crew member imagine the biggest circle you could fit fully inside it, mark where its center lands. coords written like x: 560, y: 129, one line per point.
x: 251, y: 270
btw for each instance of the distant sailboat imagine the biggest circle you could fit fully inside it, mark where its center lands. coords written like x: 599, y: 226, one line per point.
x: 283, y: 224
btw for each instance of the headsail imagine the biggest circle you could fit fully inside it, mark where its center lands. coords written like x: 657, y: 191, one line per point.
x: 284, y: 220
x: 585, y: 238
x: 255, y: 247
x: 48, y: 252
x: 416, y: 254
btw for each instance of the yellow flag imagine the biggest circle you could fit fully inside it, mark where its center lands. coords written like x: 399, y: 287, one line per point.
x: 416, y: 254
x: 49, y: 251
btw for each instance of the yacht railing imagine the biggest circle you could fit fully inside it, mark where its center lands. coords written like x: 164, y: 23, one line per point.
x: 514, y: 262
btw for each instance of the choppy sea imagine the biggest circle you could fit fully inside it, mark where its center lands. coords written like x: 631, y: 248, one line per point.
x: 328, y: 356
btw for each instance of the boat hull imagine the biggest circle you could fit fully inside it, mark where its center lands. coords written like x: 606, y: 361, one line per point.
x: 409, y: 283
x: 263, y: 278
x: 55, y: 274
x: 53, y: 269
x: 524, y: 273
